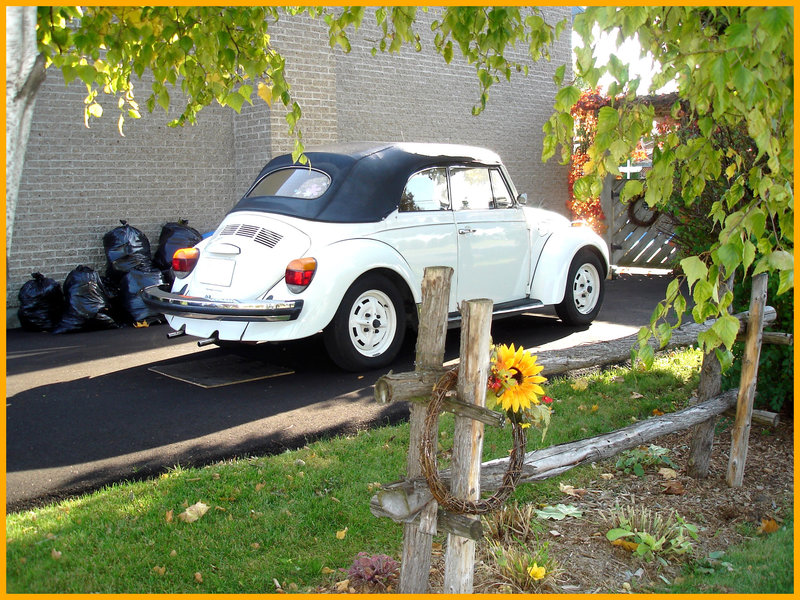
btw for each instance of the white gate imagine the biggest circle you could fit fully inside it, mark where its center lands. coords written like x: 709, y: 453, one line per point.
x: 637, y: 236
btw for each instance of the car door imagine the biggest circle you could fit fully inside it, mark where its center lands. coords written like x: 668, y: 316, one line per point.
x: 422, y: 230
x: 493, y: 236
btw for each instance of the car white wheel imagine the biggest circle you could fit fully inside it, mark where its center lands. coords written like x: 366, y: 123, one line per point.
x: 586, y: 288
x: 369, y: 326
x: 372, y: 323
x: 583, y: 295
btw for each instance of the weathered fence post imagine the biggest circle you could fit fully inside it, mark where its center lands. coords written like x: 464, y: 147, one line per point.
x: 710, y: 385
x: 415, y: 565
x: 747, y: 385
x: 468, y: 437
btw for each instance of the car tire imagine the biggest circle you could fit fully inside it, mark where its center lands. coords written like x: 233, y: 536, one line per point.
x: 585, y: 290
x: 369, y: 326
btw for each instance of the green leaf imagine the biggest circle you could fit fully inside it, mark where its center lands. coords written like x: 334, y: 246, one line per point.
x: 781, y: 260
x: 646, y: 355
x: 618, y: 533
x: 694, y: 269
x: 607, y: 119
x: 727, y: 328
x: 559, y: 512
x: 558, y: 77
x: 567, y: 97
x: 730, y: 256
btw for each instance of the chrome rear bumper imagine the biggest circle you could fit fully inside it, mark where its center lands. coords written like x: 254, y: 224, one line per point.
x: 158, y: 298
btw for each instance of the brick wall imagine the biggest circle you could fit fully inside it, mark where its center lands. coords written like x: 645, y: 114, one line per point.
x: 78, y: 183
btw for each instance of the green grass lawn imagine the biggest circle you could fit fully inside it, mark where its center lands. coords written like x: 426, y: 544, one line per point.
x: 295, y: 518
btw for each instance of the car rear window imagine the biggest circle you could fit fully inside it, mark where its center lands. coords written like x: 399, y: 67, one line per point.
x: 296, y: 182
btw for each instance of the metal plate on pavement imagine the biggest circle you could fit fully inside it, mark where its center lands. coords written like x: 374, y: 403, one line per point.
x: 219, y: 370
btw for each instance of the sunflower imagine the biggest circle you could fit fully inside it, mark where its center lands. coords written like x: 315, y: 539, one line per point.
x: 515, y: 379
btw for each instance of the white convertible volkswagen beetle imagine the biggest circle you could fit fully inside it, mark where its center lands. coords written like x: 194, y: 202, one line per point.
x: 340, y: 246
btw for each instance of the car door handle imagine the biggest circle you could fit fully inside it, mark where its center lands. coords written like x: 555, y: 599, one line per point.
x: 466, y: 230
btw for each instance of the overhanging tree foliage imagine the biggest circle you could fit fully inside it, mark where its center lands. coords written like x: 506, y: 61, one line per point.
x: 734, y: 69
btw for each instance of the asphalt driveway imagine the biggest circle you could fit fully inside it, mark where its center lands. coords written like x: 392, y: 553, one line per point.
x: 84, y: 409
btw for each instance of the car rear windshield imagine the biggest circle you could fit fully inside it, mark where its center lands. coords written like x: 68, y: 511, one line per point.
x: 295, y: 182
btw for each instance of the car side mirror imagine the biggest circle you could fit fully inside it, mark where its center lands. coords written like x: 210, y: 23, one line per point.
x: 522, y: 199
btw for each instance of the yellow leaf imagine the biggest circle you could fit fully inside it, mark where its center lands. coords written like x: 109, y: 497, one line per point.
x: 265, y: 92
x: 55, y: 554
x: 606, y: 475
x: 341, y: 534
x: 198, y: 577
x: 194, y: 512
x: 657, y: 413
x: 629, y: 546
x: 260, y: 486
x: 536, y: 572
x: 168, y: 517
x: 327, y: 571
x: 174, y: 553
x: 342, y: 585
x: 595, y: 407
x: 159, y: 570
x: 768, y: 525
x: 580, y: 385
x: 141, y: 324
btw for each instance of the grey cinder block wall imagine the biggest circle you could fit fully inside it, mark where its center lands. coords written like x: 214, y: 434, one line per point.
x: 78, y: 183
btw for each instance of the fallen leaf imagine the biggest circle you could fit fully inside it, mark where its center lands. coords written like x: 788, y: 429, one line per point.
x: 173, y: 553
x: 618, y: 379
x: 595, y: 407
x: 193, y: 512
x: 215, y: 476
x: 559, y: 512
x: 327, y: 571
x: 335, y: 499
x: 260, y: 486
x: 629, y: 546
x: 580, y: 385
x: 292, y: 587
x: 768, y: 525
x: 667, y: 473
x: 55, y: 554
x: 606, y: 475
x: 198, y: 577
x: 571, y: 491
x: 159, y: 570
x: 255, y: 545
x: 437, y: 547
x: 141, y: 324
x: 343, y: 585
x: 636, y: 395
x: 168, y: 516
x: 674, y: 487
x: 341, y: 534
x: 657, y: 412
x: 555, y: 533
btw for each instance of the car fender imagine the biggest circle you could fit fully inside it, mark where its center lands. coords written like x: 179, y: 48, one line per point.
x: 339, y: 265
x: 550, y: 271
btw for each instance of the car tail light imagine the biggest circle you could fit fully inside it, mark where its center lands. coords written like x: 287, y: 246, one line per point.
x: 184, y: 260
x: 299, y: 274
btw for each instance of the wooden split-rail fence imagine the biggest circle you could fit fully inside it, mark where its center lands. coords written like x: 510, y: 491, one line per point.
x: 411, y: 501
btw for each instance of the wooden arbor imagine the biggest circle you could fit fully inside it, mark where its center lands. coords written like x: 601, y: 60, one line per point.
x: 410, y: 501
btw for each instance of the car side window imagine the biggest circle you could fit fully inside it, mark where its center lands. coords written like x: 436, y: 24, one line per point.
x: 470, y: 188
x: 426, y: 190
x: 500, y: 191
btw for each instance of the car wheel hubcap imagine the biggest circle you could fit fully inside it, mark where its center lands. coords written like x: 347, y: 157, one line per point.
x: 372, y: 323
x: 586, y: 288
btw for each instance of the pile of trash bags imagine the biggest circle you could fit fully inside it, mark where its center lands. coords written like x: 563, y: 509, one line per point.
x: 89, y: 301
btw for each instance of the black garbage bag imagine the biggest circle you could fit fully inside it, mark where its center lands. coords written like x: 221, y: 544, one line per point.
x: 173, y: 237
x: 132, y: 283
x: 126, y: 248
x: 88, y: 302
x: 41, y: 303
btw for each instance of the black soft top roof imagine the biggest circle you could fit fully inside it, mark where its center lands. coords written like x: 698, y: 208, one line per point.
x: 367, y: 179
